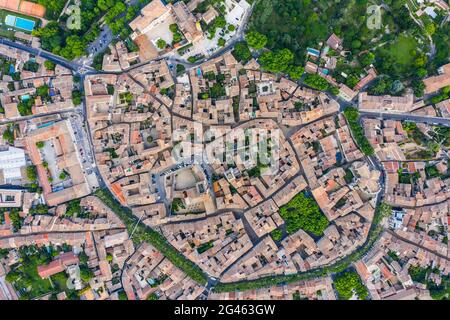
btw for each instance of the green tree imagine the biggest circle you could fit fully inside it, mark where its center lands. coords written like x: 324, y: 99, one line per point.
x: 8, y: 134
x: 295, y: 72
x: 352, y: 116
x: 241, y: 52
x: 86, y: 274
x: 76, y: 97
x: 316, y: 82
x: 276, y: 62
x: 161, y: 44
x: 31, y: 173
x: 40, y: 144
x: 256, y: 40
x: 367, y: 59
x: 303, y: 213
x: 49, y: 65
x: 349, y: 283
x: 276, y: 234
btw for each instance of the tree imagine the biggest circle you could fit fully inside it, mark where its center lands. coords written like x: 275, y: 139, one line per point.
x: 421, y: 72
x: 303, y: 213
x: 76, y: 97
x: 241, y: 52
x: 430, y: 28
x: 276, y: 62
x: 75, y: 47
x: 161, y: 44
x: 49, y: 65
x: 256, y: 40
x: 8, y: 134
x: 276, y: 234
x: 317, y: 82
x: 418, y: 87
x: 295, y: 72
x: 83, y: 257
x: 40, y: 144
x: 352, y: 116
x: 180, y: 69
x: 348, y: 283
x: 86, y: 274
x: 63, y: 175
x: 13, y: 276
x: 31, y: 173
x: 123, y: 295
x: 367, y: 59
x: 221, y: 42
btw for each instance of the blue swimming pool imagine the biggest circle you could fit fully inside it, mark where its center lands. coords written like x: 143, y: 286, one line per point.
x: 25, y: 97
x: 313, y: 51
x: 25, y: 24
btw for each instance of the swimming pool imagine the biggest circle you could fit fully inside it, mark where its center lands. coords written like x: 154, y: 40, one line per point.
x: 10, y: 20
x: 25, y: 24
x: 19, y: 23
x: 314, y: 52
x: 25, y: 97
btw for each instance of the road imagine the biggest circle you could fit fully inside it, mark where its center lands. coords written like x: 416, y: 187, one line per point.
x: 78, y: 68
x: 408, y: 117
x: 417, y: 245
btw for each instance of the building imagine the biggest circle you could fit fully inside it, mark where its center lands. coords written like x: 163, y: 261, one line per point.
x: 346, y: 93
x: 386, y: 103
x: 12, y: 160
x: 58, y: 155
x: 334, y: 42
x: 10, y: 198
x: 435, y: 83
x: 150, y: 16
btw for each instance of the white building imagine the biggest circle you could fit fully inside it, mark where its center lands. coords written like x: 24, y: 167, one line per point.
x: 11, y: 161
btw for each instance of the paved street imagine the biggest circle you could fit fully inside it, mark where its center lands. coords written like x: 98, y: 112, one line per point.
x: 409, y: 117
x: 49, y: 56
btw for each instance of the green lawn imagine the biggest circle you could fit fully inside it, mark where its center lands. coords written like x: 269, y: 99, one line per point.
x: 398, y: 58
x: 30, y: 279
x: 402, y: 48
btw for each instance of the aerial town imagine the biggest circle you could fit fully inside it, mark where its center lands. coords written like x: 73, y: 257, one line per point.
x: 194, y: 150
